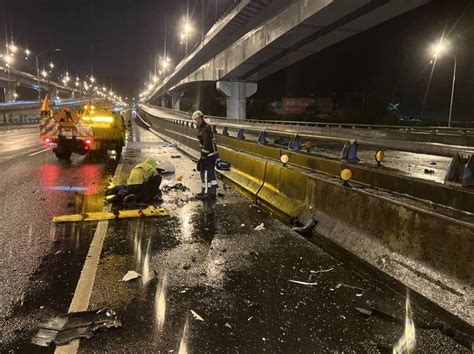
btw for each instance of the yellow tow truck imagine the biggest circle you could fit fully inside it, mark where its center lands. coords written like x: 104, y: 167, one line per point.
x: 91, y: 130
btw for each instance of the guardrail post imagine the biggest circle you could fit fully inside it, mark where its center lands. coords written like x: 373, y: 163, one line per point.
x: 240, y: 134
x: 225, y: 131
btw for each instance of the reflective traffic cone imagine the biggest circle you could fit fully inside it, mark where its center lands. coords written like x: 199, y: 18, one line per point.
x: 352, y: 155
x: 240, y: 135
x: 225, y: 131
x: 345, y: 150
x: 468, y: 175
x: 455, y: 169
x: 262, y: 137
x: 295, y: 143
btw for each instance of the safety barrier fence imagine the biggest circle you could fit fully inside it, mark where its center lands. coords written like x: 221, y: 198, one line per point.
x: 440, y: 145
x: 430, y: 130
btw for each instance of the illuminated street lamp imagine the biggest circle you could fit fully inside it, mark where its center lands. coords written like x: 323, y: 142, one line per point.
x: 13, y: 48
x: 439, y: 49
x: 92, y: 79
x: 51, y: 65
x: 186, y: 31
x: 44, y: 73
x: 37, y: 56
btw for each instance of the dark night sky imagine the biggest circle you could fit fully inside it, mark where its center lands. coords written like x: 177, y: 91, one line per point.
x: 116, y: 39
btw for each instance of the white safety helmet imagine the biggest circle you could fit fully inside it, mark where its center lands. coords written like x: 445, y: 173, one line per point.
x: 197, y: 114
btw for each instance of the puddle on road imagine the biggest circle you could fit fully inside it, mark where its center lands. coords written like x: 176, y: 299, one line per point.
x: 53, y: 284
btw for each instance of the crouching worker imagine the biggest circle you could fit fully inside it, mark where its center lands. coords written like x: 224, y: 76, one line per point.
x: 143, y: 185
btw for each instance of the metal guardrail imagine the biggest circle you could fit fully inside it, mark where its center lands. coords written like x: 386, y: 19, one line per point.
x: 392, y: 140
x: 269, y: 123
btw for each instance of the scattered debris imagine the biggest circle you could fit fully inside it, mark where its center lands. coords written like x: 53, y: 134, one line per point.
x: 260, y: 227
x: 242, y: 225
x: 433, y: 163
x: 429, y: 171
x: 175, y: 156
x: 35, y: 191
x: 249, y: 318
x: 176, y: 186
x: 321, y: 271
x: 165, y: 167
x: 64, y: 328
x: 227, y: 324
x: 196, y: 316
x: 302, y: 282
x: 250, y: 303
x: 307, y: 229
x: 131, y: 274
x: 179, y: 178
x: 187, y: 266
x: 349, y: 287
x: 168, y: 144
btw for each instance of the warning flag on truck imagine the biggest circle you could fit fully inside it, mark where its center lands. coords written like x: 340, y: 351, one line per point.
x: 45, y: 106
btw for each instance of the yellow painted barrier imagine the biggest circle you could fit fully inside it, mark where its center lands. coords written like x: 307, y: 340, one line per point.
x: 150, y: 211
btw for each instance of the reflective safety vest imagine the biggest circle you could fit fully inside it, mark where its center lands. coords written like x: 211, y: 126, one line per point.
x: 142, y: 172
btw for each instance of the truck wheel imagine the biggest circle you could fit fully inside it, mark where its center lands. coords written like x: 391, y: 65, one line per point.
x: 63, y: 155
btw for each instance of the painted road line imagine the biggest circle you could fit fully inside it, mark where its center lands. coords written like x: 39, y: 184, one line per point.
x: 39, y: 152
x: 82, y: 295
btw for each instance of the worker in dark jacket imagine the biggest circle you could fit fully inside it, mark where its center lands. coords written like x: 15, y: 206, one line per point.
x: 209, y: 155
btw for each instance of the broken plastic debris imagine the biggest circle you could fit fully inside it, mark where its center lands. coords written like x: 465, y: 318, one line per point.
x: 321, y: 271
x: 249, y: 318
x: 179, y: 178
x: 302, y: 282
x: 228, y: 325
x: 165, y: 167
x: 307, y: 229
x: 168, y: 144
x: 196, y: 316
x: 131, y: 274
x: 260, y: 227
x: 64, y: 328
x: 242, y: 225
x: 429, y: 171
x: 349, y: 287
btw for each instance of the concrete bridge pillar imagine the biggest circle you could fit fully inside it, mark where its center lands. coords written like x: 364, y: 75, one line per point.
x: 176, y: 99
x: 237, y: 93
x: 53, y: 92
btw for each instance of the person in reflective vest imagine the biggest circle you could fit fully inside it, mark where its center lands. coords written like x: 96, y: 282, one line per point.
x: 209, y: 156
x: 143, y: 185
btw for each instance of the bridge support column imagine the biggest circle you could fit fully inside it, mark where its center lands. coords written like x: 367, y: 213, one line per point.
x: 53, y: 93
x: 237, y: 94
x: 176, y: 99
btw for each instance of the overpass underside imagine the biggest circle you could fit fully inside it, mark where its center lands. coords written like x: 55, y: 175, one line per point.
x: 301, y: 29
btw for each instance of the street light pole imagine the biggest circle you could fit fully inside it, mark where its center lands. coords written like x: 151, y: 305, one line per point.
x: 452, y: 91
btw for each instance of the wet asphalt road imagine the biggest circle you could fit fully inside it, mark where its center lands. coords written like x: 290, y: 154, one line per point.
x: 40, y: 263
x: 208, y: 258
x: 204, y: 257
